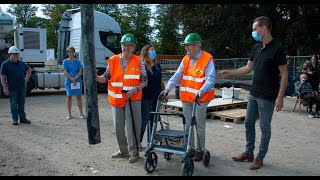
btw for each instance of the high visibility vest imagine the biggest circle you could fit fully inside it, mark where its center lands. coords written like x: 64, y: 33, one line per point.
x: 194, y: 78
x: 126, y: 80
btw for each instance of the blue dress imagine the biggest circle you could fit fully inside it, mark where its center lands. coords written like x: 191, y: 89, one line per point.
x: 73, y: 68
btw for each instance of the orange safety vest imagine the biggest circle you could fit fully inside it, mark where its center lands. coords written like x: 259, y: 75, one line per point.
x: 126, y: 80
x: 194, y: 78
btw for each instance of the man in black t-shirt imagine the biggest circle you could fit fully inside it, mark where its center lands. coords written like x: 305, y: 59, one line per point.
x: 270, y: 79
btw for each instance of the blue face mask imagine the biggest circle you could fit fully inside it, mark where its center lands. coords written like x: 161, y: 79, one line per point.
x: 152, y: 54
x: 256, y: 36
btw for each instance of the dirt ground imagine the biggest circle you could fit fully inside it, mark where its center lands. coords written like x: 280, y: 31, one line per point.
x: 54, y: 146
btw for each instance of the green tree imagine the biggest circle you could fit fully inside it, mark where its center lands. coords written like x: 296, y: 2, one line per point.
x: 54, y: 13
x: 224, y: 28
x: 230, y: 25
x: 109, y: 9
x: 167, y: 27
x: 22, y: 12
x: 135, y: 19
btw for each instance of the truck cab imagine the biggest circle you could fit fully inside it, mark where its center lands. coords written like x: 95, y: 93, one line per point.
x: 32, y: 43
x: 107, y: 36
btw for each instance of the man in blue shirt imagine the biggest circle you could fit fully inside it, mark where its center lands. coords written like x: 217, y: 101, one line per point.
x: 14, y: 83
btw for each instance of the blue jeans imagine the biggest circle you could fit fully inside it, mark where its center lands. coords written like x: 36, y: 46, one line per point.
x: 17, y: 101
x: 147, y: 105
x: 263, y: 109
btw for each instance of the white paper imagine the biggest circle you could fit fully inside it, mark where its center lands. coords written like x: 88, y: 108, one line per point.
x: 227, y: 126
x: 77, y: 86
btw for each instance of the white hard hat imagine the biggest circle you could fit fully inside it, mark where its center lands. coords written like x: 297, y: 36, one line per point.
x: 13, y: 49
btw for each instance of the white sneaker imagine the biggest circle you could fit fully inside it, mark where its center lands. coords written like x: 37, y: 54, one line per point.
x: 82, y: 116
x: 69, y: 117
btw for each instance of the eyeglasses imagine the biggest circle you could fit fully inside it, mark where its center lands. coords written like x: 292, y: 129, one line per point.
x: 127, y: 45
x: 187, y: 45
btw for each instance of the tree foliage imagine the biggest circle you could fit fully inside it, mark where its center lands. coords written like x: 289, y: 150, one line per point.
x: 225, y: 28
x: 229, y: 25
x: 54, y: 13
x: 109, y: 9
x: 135, y: 19
x: 22, y: 12
x: 167, y: 31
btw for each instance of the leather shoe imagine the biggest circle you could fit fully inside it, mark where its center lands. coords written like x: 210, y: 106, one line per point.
x: 197, y: 156
x: 25, y: 121
x: 256, y: 164
x: 15, y: 122
x: 244, y: 156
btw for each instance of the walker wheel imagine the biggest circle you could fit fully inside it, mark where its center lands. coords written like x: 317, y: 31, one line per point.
x: 150, y: 162
x: 187, y: 167
x: 167, y: 155
x: 206, y: 158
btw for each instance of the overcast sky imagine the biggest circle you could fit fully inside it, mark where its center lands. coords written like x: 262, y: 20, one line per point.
x: 4, y: 8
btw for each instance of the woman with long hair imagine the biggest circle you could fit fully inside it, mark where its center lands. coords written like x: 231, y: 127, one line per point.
x: 152, y: 90
x: 313, y: 73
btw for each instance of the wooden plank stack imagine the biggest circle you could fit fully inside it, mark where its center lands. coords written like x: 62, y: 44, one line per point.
x: 234, y: 115
x: 224, y: 109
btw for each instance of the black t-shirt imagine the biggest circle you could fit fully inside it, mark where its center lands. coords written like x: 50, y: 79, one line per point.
x: 266, y: 78
x: 153, y: 88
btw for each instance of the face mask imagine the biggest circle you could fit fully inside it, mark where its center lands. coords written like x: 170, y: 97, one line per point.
x: 256, y: 36
x: 152, y: 54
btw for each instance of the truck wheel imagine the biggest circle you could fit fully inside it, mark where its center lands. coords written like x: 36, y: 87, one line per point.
x: 30, y: 86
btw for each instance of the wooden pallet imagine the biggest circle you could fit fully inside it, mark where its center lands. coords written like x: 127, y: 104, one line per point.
x: 234, y: 115
x: 213, y: 108
x: 217, y: 104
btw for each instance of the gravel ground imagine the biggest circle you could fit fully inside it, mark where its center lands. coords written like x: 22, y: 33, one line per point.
x: 54, y: 146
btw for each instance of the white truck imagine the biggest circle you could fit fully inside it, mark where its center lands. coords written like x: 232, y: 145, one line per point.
x: 32, y: 43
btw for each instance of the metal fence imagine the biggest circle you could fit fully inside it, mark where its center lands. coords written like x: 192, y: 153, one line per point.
x: 295, y: 64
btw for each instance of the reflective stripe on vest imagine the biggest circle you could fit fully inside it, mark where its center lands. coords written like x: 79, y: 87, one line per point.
x: 194, y: 78
x: 117, y: 84
x: 190, y: 78
x: 114, y: 95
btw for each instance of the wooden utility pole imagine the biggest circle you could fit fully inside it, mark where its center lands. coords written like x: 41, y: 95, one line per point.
x: 89, y: 73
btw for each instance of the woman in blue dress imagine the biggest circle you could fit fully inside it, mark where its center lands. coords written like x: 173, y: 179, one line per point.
x: 72, y: 69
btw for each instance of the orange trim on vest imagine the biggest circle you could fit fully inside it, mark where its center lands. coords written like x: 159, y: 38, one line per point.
x: 194, y: 78
x: 126, y: 80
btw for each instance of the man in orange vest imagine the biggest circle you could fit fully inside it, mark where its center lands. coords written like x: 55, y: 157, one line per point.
x: 196, y: 73
x: 126, y: 76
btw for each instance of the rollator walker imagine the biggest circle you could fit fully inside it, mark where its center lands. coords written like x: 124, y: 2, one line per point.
x: 159, y: 141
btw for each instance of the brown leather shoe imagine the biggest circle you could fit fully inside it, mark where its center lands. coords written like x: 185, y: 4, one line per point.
x: 256, y: 164
x: 244, y: 156
x: 197, y: 156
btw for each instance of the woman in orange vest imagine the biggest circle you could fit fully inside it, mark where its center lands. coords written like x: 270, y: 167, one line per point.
x: 126, y: 76
x: 197, y: 76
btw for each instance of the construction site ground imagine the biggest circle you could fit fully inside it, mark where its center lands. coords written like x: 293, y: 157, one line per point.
x: 54, y: 146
